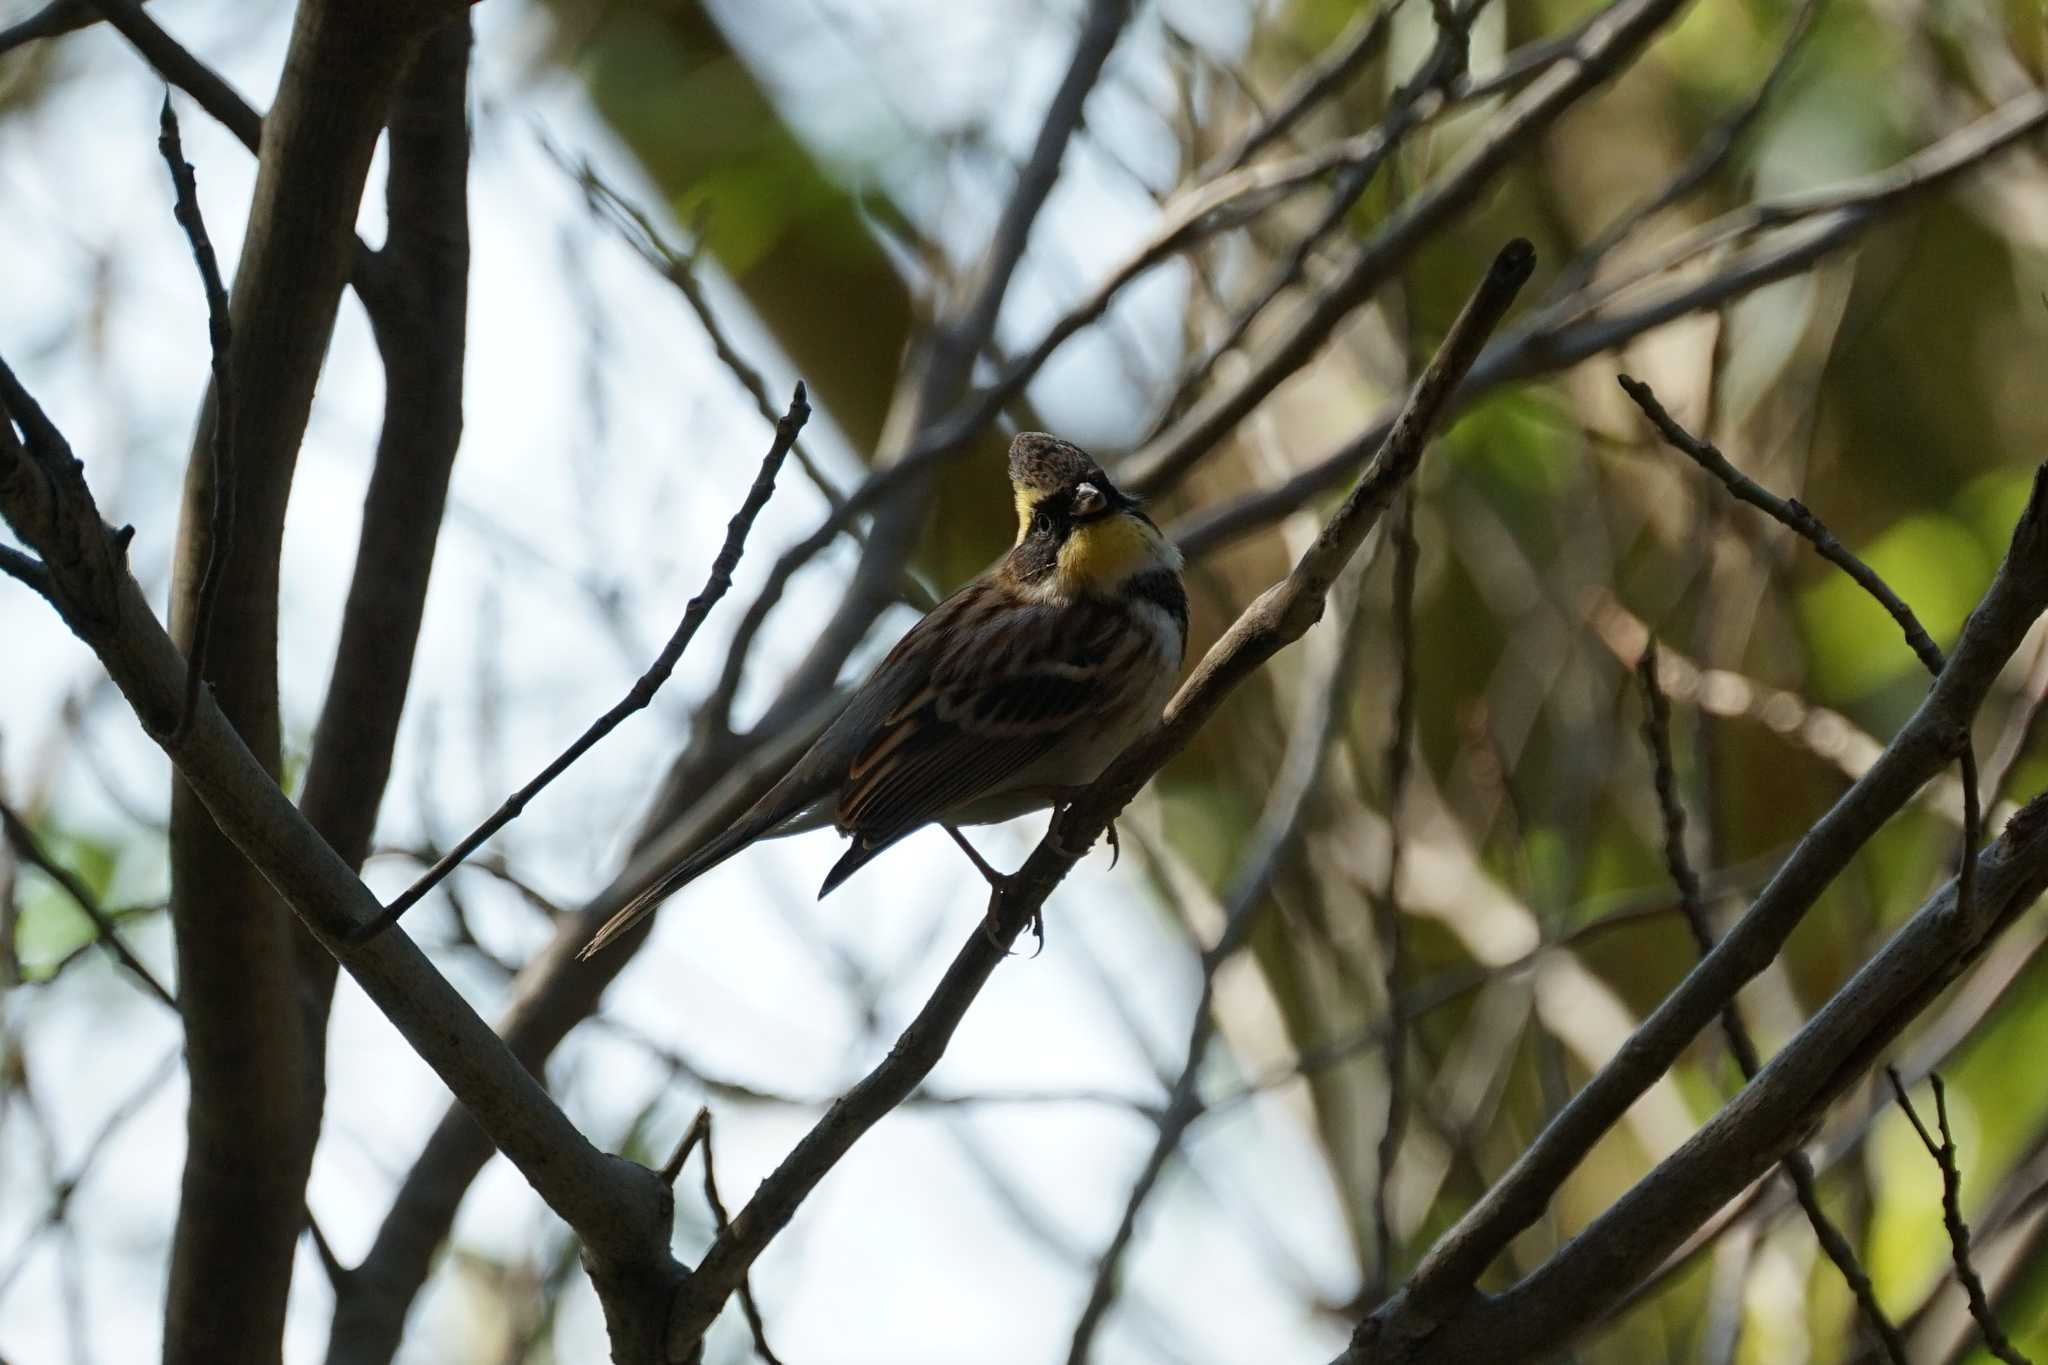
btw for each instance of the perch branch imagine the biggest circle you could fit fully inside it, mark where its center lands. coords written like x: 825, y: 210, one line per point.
x: 1279, y: 617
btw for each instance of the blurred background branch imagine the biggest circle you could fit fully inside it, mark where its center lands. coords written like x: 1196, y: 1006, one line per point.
x: 1207, y: 241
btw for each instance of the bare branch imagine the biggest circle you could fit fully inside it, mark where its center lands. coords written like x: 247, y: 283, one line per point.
x: 1387, y: 916
x: 179, y: 67
x: 1319, y: 723
x: 421, y: 334
x: 1796, y: 516
x: 619, y: 1210
x: 700, y: 1127
x: 26, y: 570
x: 1357, y: 45
x: 1798, y: 1169
x: 1791, y: 513
x: 1944, y: 1154
x: 1279, y: 617
x: 642, y: 692
x: 220, y: 536
x: 1563, y: 334
x: 1933, y: 736
x: 26, y: 847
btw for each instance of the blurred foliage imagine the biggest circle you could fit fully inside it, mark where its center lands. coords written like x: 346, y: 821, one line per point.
x: 1896, y: 391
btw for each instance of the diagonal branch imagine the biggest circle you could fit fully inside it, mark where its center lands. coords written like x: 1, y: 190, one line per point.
x: 1280, y: 616
x: 1562, y: 334
x: 619, y: 1210
x: 1796, y: 515
x: 179, y: 67
x: 1436, y: 1309
x: 643, y: 690
x: 29, y: 849
x: 1944, y: 1154
x: 1798, y: 1168
x: 1318, y: 725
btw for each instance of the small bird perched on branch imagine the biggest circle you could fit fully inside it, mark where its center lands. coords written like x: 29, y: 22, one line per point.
x: 1009, y: 695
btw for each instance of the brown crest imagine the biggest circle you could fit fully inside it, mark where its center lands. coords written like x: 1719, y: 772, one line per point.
x: 1042, y: 464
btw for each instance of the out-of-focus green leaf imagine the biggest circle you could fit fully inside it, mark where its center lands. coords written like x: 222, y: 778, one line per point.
x: 1938, y: 567
x: 1992, y: 503
x: 51, y: 924
x: 1518, y: 443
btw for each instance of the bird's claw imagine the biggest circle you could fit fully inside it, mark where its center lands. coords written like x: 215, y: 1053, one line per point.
x: 1115, y: 849
x: 992, y: 923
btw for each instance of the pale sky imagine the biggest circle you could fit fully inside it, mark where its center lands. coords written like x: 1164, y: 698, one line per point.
x: 907, y: 1253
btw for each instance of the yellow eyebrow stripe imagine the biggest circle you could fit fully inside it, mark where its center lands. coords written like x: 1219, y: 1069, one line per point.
x: 1025, y: 503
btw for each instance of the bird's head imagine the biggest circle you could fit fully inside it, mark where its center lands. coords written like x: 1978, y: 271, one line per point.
x: 1076, y: 532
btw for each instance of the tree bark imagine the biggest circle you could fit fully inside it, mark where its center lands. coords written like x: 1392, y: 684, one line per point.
x: 250, y: 1058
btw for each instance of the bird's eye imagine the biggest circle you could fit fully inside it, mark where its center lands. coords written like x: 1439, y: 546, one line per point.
x: 1041, y: 524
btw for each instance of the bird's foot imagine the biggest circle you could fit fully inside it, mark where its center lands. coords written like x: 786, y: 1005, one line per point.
x: 992, y: 922
x: 1115, y: 848
x: 994, y: 878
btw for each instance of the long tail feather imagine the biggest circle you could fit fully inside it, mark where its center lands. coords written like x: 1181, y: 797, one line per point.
x: 853, y: 860
x: 637, y: 909
x: 664, y: 886
x: 774, y: 813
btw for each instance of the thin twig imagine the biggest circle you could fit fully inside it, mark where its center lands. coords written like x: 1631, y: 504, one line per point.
x: 699, y: 1126
x: 637, y: 229
x: 26, y: 847
x: 1798, y: 1168
x: 1393, y: 938
x: 1944, y: 1154
x: 1791, y: 512
x: 696, y: 1135
x: 1800, y: 519
x: 1356, y: 46
x: 1711, y: 153
x: 220, y: 530
x: 642, y: 691
x: 1554, y: 338
x: 26, y: 569
x: 748, y: 1308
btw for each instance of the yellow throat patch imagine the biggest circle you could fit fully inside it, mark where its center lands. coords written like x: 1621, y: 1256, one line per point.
x: 1101, y: 554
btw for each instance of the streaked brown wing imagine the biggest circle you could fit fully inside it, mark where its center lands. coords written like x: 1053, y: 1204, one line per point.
x: 997, y: 699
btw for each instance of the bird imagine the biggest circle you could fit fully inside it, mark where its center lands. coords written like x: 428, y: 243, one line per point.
x: 1004, y: 699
